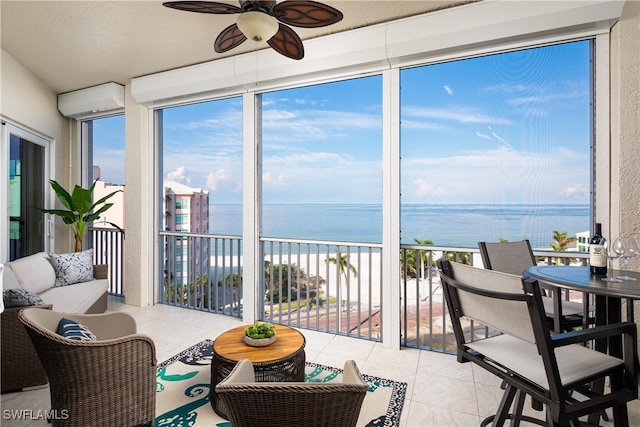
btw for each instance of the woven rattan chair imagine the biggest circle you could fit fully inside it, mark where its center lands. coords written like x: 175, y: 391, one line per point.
x: 514, y: 258
x: 557, y: 370
x: 107, y: 382
x: 291, y: 404
x: 21, y: 367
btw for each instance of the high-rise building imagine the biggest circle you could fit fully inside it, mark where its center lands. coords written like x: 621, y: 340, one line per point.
x: 186, y: 210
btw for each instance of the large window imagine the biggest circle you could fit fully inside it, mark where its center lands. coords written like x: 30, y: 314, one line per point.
x: 322, y: 161
x: 202, y: 154
x: 106, y: 148
x: 498, y: 147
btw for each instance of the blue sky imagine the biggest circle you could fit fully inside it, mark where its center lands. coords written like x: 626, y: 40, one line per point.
x: 507, y: 128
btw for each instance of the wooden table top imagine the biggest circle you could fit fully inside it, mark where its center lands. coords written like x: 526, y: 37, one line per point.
x: 230, y: 345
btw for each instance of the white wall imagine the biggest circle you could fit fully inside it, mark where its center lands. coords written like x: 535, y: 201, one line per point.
x: 30, y: 104
x: 625, y: 120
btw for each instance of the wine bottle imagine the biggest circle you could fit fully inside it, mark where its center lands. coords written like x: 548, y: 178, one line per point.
x: 598, y: 252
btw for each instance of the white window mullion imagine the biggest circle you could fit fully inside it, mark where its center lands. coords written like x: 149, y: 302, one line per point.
x: 391, y: 208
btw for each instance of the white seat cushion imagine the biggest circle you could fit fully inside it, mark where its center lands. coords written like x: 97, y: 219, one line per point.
x: 575, y: 362
x: 77, y: 298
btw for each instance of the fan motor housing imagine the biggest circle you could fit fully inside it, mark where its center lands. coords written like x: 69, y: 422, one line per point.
x: 258, y: 6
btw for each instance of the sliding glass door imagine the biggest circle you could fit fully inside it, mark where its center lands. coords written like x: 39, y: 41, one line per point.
x: 24, y: 159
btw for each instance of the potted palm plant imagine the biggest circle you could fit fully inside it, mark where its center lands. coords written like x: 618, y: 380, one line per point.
x: 80, y: 209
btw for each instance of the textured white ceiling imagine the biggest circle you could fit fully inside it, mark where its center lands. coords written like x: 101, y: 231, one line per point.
x: 76, y: 44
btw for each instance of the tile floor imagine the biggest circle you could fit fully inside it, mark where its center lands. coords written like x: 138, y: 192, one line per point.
x: 440, y: 391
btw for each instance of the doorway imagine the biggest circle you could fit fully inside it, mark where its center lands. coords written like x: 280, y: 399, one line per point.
x: 25, y: 163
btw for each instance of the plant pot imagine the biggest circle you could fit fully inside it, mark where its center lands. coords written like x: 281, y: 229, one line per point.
x: 262, y: 342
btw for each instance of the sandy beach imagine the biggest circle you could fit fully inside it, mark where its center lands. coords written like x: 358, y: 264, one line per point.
x: 365, y: 285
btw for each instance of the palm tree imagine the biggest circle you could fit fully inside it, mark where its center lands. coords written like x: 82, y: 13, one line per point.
x: 341, y: 260
x: 561, y: 243
x: 561, y: 240
x: 410, y: 260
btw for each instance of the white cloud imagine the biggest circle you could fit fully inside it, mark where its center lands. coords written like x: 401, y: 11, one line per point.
x: 499, y: 138
x: 214, y: 178
x: 462, y: 115
x: 448, y: 89
x: 497, y: 174
x: 577, y: 190
x: 316, y: 125
x: 179, y: 175
x: 269, y: 178
x: 425, y: 188
x: 483, y: 135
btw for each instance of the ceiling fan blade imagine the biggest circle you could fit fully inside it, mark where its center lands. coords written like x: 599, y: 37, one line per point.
x: 203, y: 7
x: 306, y: 14
x: 229, y: 38
x: 286, y: 42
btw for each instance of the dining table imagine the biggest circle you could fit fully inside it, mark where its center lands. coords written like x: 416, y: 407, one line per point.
x: 608, y: 295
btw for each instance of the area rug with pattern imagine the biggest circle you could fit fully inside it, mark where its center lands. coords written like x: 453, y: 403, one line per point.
x: 183, y: 383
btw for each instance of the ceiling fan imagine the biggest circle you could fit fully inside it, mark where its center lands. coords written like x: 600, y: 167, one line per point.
x: 258, y: 21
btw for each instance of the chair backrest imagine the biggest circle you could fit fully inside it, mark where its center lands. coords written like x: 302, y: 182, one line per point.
x: 288, y: 404
x: 508, y: 257
x: 90, y: 380
x: 492, y: 298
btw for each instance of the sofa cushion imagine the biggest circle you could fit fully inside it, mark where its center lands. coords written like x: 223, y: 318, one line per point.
x: 74, y: 331
x: 9, y: 279
x: 19, y: 297
x: 34, y: 272
x: 77, y: 298
x: 74, y: 267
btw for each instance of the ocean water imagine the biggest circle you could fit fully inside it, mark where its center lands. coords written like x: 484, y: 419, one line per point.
x: 444, y: 225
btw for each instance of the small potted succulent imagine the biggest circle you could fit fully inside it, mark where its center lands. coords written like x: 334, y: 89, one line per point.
x: 259, y: 334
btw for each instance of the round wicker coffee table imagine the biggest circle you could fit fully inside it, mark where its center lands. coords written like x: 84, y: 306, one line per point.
x: 284, y: 360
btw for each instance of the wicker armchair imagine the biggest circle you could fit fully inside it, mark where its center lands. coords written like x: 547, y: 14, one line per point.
x: 107, y: 382
x: 21, y: 367
x: 284, y: 404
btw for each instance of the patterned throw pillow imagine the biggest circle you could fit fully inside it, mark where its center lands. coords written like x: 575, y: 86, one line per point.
x: 73, y: 268
x: 74, y: 331
x: 19, y: 297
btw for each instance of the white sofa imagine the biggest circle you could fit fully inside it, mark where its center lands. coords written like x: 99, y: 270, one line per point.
x: 37, y: 274
x: 21, y: 367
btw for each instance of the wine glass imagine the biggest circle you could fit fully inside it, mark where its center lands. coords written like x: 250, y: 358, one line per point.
x: 612, y: 255
x: 627, y: 248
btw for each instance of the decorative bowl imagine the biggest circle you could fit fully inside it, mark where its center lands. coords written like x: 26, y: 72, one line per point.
x: 259, y: 334
x: 260, y: 342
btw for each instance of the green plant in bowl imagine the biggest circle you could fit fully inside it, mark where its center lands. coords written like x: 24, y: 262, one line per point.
x: 260, y: 330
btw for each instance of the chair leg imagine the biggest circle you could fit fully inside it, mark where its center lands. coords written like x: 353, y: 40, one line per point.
x: 517, y: 410
x: 503, y: 409
x: 620, y: 416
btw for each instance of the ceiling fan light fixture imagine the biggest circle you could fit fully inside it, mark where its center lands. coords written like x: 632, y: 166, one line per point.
x: 257, y: 26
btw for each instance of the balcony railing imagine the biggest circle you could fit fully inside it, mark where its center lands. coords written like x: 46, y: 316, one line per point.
x: 203, y: 272
x: 425, y: 320
x: 326, y: 286
x: 108, y: 248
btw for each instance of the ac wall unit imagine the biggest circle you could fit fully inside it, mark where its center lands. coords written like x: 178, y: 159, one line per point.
x: 108, y: 97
